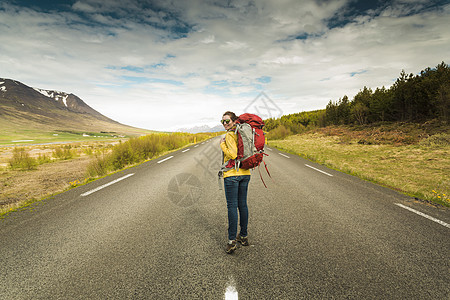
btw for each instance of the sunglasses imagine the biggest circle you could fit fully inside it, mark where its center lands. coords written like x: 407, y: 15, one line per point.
x: 227, y: 121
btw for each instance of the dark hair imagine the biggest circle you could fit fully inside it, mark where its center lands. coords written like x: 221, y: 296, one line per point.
x: 231, y: 114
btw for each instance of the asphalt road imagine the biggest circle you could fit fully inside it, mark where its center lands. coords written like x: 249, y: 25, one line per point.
x: 158, y: 231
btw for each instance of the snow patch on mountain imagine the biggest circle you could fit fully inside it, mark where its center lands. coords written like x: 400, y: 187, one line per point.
x: 55, y: 95
x: 2, y: 88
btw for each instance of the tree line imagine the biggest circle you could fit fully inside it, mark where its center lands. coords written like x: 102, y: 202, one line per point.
x: 412, y: 98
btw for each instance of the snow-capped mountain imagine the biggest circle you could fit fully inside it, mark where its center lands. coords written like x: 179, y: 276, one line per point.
x: 58, y: 96
x: 43, y: 102
x: 25, y: 110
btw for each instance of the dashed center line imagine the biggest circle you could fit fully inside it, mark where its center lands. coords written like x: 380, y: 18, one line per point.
x: 423, y: 215
x: 163, y: 160
x: 318, y: 170
x: 185, y: 150
x: 105, y: 185
x: 231, y: 292
x: 283, y: 155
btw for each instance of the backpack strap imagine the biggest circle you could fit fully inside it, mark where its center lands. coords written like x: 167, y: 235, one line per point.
x: 260, y: 176
x: 265, y: 165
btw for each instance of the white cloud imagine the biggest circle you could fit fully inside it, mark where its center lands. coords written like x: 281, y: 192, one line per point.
x: 148, y: 69
x: 84, y: 7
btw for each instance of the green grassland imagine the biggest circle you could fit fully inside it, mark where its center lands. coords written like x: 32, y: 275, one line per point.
x: 35, y: 136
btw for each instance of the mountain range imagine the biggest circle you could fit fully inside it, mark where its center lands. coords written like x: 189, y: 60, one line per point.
x: 204, y: 128
x: 26, y: 108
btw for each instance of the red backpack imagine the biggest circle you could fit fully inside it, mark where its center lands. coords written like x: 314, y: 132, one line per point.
x: 250, y: 147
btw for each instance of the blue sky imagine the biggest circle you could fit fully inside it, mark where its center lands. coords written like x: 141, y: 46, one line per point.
x: 164, y: 65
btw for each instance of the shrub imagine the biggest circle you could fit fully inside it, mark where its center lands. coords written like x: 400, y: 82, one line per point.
x: 440, y: 139
x: 279, y: 133
x: 138, y: 149
x: 22, y: 160
x: 88, y: 151
x: 100, y: 166
x: 368, y: 141
x: 63, y: 153
x: 43, y: 159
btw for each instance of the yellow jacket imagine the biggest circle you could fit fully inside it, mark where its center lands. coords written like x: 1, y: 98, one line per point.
x: 229, y: 148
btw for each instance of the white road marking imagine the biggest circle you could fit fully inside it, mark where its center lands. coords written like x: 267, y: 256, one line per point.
x: 105, y: 185
x: 268, y: 148
x: 231, y: 292
x: 163, y: 160
x: 423, y: 215
x: 283, y: 155
x: 196, y: 146
x: 318, y: 170
x: 185, y: 150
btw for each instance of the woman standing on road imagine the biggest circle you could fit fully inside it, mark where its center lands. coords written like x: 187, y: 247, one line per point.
x: 236, y: 186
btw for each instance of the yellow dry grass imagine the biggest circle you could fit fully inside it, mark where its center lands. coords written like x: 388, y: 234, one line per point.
x: 416, y: 170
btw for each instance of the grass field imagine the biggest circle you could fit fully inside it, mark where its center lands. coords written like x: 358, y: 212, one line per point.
x: 418, y: 169
x: 19, y: 127
x: 32, y: 136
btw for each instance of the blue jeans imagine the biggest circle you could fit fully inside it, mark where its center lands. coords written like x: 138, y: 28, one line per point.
x: 236, y: 193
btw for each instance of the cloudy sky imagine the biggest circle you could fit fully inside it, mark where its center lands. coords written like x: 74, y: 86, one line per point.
x: 180, y: 63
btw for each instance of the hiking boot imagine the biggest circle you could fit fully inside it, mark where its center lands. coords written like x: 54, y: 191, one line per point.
x: 231, y: 247
x: 243, y: 240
